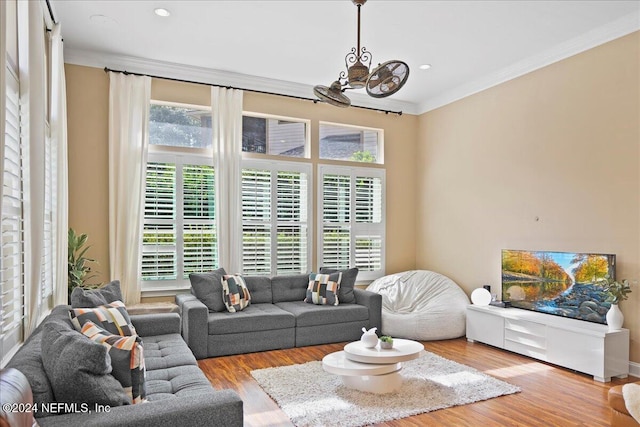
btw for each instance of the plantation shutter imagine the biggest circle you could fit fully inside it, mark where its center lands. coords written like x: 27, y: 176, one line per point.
x: 368, y: 230
x: 336, y: 220
x: 12, y: 249
x: 159, y: 237
x: 256, y: 221
x: 275, y: 212
x: 291, y: 209
x: 353, y: 219
x: 200, y: 239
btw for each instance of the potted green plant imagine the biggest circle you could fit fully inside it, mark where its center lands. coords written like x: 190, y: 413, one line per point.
x: 616, y: 291
x: 386, y: 342
x: 79, y: 272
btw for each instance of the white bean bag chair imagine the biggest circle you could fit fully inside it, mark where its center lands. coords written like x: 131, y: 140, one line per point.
x: 421, y: 305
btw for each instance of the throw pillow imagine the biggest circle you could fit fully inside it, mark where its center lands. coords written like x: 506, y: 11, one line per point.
x: 235, y: 293
x: 127, y: 359
x: 208, y: 288
x: 323, y: 289
x: 113, y: 317
x: 89, y: 298
x: 348, y: 282
x: 78, y: 368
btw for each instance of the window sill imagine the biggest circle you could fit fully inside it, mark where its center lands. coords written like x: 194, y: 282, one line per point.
x: 151, y: 292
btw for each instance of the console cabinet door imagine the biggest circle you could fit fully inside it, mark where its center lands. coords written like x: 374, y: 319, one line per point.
x: 485, y: 327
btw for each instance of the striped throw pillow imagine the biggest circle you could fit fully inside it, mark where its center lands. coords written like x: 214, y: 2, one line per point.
x: 127, y: 359
x: 113, y: 317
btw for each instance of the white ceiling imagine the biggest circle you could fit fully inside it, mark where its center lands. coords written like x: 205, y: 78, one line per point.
x: 289, y: 46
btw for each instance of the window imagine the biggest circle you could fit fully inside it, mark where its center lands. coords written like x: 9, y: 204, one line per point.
x: 180, y: 235
x: 350, y: 143
x: 179, y: 126
x: 275, y: 217
x: 12, y: 248
x: 352, y: 230
x: 278, y: 136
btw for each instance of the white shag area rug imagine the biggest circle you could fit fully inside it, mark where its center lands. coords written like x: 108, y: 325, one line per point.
x: 312, y: 397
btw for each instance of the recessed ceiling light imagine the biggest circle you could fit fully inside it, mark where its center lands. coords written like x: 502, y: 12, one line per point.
x: 162, y: 12
x: 425, y: 66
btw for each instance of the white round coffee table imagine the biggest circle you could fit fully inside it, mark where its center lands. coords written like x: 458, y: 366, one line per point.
x: 374, y: 370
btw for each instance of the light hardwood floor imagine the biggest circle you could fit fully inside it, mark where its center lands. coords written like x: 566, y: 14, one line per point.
x: 551, y: 396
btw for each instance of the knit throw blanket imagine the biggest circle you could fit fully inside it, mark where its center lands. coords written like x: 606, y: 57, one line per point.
x: 631, y: 394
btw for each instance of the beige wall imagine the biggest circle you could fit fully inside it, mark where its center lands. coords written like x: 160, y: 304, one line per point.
x: 548, y: 161
x: 88, y: 96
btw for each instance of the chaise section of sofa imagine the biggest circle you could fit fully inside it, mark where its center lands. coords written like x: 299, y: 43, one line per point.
x: 178, y: 392
x: 277, y: 318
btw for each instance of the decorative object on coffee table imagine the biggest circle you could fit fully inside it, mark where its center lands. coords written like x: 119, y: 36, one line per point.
x: 386, y: 342
x: 369, y: 338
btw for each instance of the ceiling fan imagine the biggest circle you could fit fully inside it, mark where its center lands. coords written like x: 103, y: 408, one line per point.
x: 386, y: 79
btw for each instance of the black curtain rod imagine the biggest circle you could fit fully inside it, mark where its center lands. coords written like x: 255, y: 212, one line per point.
x: 53, y: 18
x: 315, y: 101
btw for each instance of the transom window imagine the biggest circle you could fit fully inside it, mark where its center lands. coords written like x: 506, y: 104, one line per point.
x: 179, y: 126
x: 277, y: 136
x: 350, y: 143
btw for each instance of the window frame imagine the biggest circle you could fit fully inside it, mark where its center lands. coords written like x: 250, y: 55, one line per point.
x: 178, y: 156
x: 355, y: 228
x: 275, y: 166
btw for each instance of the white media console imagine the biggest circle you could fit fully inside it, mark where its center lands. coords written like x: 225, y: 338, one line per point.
x: 575, y: 344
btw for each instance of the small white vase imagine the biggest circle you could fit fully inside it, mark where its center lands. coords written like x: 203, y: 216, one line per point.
x: 369, y: 338
x: 615, y: 318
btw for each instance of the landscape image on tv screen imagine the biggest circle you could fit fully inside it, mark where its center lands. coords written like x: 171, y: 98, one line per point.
x: 560, y: 283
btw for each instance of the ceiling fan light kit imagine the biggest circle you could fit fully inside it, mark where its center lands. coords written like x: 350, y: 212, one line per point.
x: 385, y: 80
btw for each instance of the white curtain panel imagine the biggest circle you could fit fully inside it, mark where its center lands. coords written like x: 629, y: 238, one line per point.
x: 129, y: 98
x: 226, y: 110
x: 58, y: 124
x: 33, y: 98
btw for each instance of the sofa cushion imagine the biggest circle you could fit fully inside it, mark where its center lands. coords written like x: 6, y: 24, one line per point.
x: 314, y: 315
x: 323, y: 289
x: 166, y: 351
x: 208, y: 288
x: 348, y: 282
x: 260, y: 288
x: 112, y: 317
x: 256, y: 317
x: 127, y: 359
x: 177, y: 381
x: 78, y: 368
x: 235, y: 293
x: 289, y: 288
x: 89, y: 298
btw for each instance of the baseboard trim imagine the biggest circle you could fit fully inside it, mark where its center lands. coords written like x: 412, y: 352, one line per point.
x: 634, y: 369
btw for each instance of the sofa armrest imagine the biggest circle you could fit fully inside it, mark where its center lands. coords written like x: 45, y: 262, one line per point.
x: 373, y: 302
x: 156, y: 324
x: 195, y: 329
x: 223, y: 407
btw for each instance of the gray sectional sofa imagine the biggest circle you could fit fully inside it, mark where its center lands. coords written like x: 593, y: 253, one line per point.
x: 277, y: 317
x: 178, y: 392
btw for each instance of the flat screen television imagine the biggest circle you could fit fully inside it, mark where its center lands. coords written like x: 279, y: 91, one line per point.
x: 561, y: 283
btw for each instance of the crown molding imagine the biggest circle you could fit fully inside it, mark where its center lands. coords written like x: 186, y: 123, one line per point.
x: 615, y: 29
x: 219, y: 77
x: 619, y: 28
